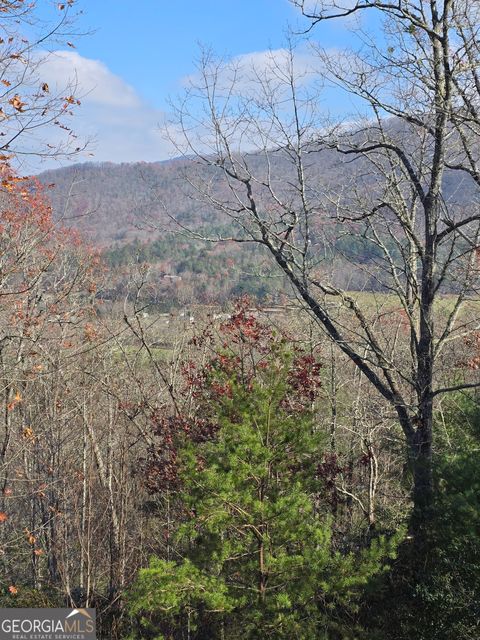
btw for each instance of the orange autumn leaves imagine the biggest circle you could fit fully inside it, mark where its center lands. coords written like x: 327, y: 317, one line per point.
x: 32, y: 540
x: 30, y: 537
x: 13, y: 5
x: 15, y: 401
x: 41, y: 261
x: 17, y: 103
x: 25, y: 216
x: 20, y: 105
x: 62, y: 5
x: 32, y: 243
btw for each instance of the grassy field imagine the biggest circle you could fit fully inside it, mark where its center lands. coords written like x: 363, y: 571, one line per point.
x: 168, y: 334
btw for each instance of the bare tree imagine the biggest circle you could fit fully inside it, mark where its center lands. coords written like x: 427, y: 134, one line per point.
x: 260, y: 143
x: 34, y: 117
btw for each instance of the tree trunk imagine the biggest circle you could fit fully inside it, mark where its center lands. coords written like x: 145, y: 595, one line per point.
x: 422, y: 465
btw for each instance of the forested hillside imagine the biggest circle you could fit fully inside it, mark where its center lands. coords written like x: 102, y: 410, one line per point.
x: 115, y: 204
x: 130, y: 212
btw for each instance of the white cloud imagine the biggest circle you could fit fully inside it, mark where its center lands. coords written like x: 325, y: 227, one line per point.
x: 268, y: 61
x: 252, y: 100
x: 96, y: 83
x: 246, y: 70
x: 120, y: 124
x: 124, y: 127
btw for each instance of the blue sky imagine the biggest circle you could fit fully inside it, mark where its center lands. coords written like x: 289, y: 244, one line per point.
x: 152, y: 43
x: 138, y: 54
